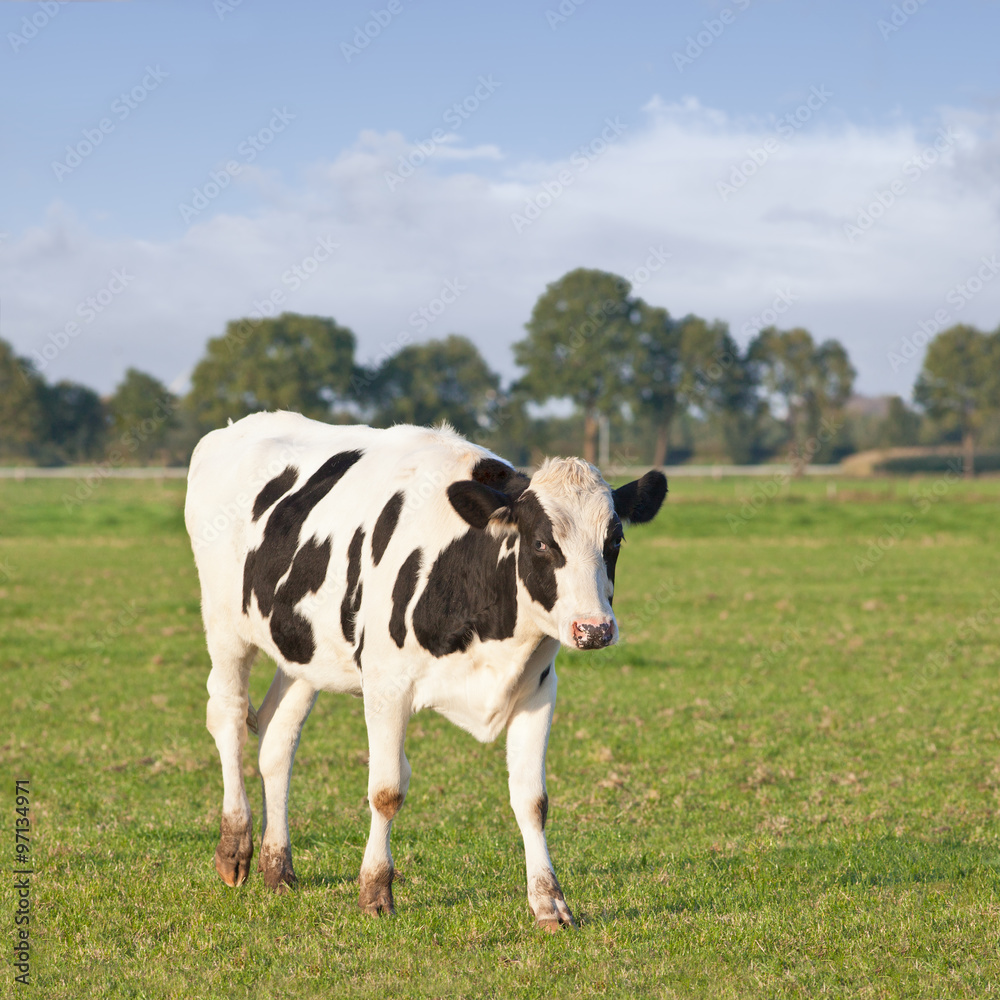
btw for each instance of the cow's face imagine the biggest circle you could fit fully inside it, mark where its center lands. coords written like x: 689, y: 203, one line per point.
x: 566, y: 524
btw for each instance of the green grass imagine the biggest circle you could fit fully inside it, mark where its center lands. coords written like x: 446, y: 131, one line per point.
x: 784, y: 783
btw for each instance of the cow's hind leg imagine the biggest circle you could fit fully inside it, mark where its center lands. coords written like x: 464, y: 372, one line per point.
x: 226, y: 718
x: 527, y: 740
x: 280, y: 720
x: 388, y: 780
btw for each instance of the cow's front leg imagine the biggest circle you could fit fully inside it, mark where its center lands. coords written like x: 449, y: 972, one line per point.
x: 527, y: 739
x: 386, y: 713
x: 280, y: 719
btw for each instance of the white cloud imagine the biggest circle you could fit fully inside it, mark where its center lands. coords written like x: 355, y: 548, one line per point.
x: 653, y: 185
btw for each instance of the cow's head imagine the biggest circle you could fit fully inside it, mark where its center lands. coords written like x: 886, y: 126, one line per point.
x: 566, y: 525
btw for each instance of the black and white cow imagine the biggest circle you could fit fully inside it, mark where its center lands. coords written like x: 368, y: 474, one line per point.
x: 413, y: 568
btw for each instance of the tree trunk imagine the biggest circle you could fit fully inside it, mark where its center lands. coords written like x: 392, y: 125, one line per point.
x: 662, y: 444
x: 590, y: 436
x: 969, y: 454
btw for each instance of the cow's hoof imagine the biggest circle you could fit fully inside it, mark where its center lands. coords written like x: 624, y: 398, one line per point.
x: 549, y: 905
x: 375, y: 898
x: 234, y: 851
x: 275, y: 864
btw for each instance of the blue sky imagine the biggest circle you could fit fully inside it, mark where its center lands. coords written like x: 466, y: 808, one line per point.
x: 647, y: 139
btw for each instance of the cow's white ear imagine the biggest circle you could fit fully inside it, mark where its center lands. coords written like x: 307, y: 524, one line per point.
x: 476, y: 502
x: 639, y: 501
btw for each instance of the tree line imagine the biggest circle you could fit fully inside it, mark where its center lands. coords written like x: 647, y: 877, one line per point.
x: 661, y: 388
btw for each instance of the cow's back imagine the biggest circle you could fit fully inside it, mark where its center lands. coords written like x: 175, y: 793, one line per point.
x: 341, y: 485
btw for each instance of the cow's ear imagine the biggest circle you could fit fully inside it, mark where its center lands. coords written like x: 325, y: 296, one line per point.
x: 476, y: 502
x: 639, y: 502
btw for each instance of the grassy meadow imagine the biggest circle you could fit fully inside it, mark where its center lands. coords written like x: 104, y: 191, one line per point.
x: 785, y: 782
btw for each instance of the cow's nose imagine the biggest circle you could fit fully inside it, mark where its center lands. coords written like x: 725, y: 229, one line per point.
x: 592, y: 633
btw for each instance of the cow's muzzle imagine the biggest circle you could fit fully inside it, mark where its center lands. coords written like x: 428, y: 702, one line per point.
x: 593, y: 633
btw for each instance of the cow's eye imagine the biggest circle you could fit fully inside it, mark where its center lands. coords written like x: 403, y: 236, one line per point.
x: 540, y: 546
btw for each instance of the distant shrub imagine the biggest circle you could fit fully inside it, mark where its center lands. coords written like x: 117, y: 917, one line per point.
x: 908, y: 465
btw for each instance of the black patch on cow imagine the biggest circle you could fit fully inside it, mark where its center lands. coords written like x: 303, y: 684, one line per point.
x: 269, y: 562
x: 545, y: 673
x: 489, y: 493
x: 500, y: 476
x: 292, y: 633
x: 385, y: 526
x: 274, y: 491
x: 612, y: 543
x: 352, y: 596
x: 539, y: 556
x: 470, y: 592
x: 476, y: 502
x: 639, y: 501
x: 402, y: 593
x: 361, y: 646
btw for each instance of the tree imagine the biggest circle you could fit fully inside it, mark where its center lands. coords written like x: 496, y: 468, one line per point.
x: 22, y: 417
x: 809, y: 382
x: 142, y: 412
x: 718, y: 382
x: 900, y: 426
x: 960, y: 383
x: 292, y: 362
x: 438, y: 380
x: 656, y: 371
x: 76, y: 421
x: 577, y: 346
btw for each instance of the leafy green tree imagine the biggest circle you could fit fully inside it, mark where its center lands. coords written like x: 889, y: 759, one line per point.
x: 577, y: 347
x: 657, y: 371
x: 900, y: 426
x: 959, y: 384
x: 76, y: 421
x: 292, y: 362
x: 142, y: 411
x: 809, y: 382
x: 22, y: 415
x: 438, y: 380
x: 718, y: 382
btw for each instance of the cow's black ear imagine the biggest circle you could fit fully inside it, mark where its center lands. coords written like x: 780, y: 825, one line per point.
x: 639, y: 502
x: 476, y: 502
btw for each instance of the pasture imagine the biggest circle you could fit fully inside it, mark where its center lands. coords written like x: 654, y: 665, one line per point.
x: 785, y: 782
